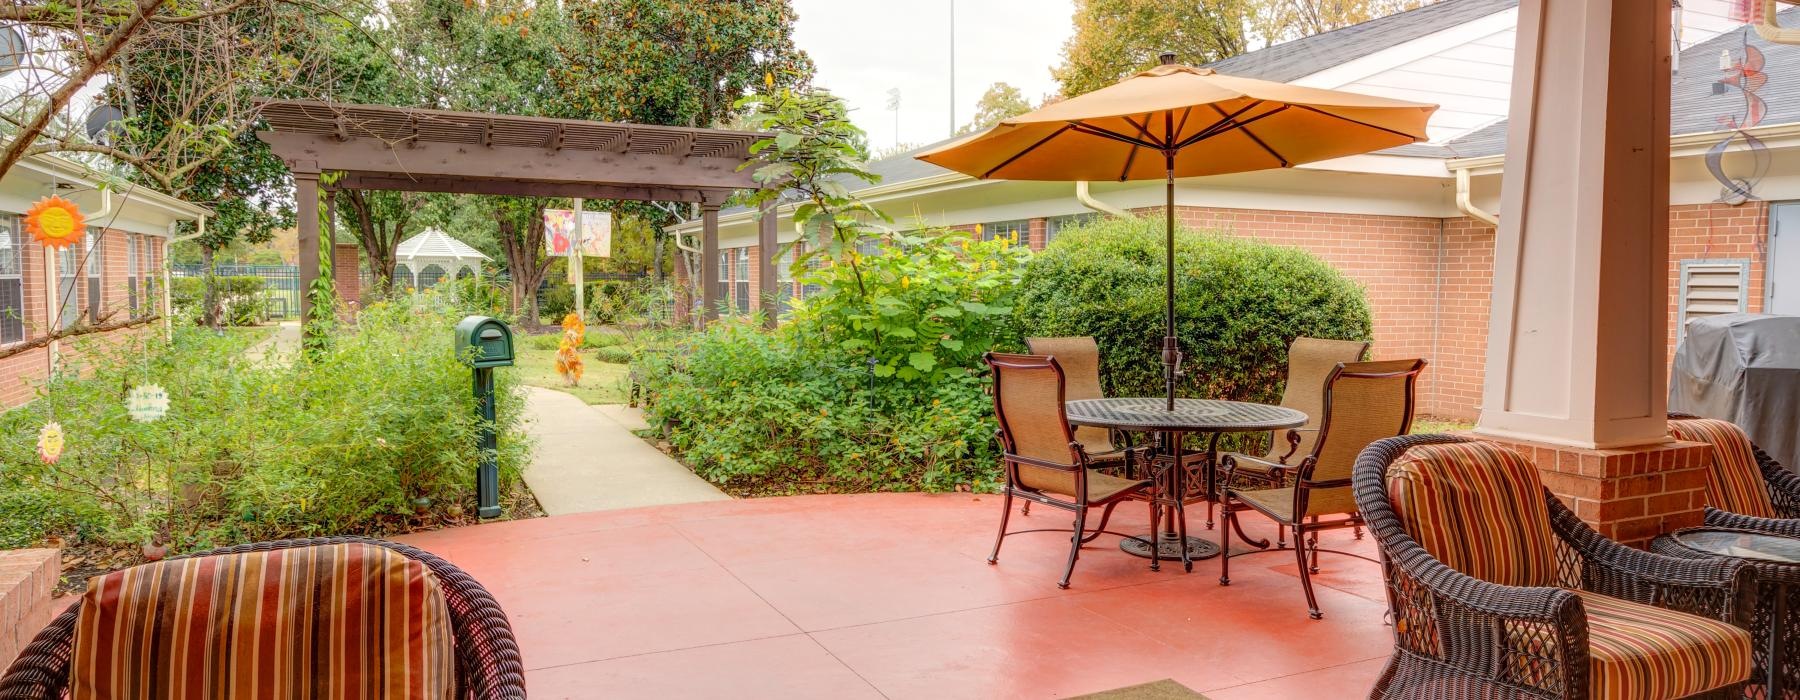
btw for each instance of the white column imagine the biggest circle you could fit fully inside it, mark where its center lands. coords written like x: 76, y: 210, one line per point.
x: 1577, y: 337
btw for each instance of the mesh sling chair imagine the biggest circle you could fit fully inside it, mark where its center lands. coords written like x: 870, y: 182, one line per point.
x: 1363, y: 402
x: 484, y: 658
x: 1497, y: 590
x: 1044, y: 462
x: 1310, y: 363
x: 1079, y: 357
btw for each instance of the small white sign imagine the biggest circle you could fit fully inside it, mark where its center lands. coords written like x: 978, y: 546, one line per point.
x: 147, y: 403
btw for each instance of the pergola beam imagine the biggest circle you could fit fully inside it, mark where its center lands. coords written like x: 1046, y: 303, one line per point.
x: 528, y: 188
x: 423, y: 159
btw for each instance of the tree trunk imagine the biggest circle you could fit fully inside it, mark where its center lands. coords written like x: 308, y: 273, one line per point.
x: 525, y: 261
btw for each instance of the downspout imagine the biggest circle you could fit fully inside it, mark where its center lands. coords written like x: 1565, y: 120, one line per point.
x: 1466, y: 204
x: 1087, y: 200
x: 168, y: 290
x: 52, y: 292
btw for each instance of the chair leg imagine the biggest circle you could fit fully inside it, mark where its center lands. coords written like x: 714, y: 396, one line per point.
x: 1074, y: 547
x: 1187, y: 560
x: 1025, y: 510
x: 1105, y: 515
x: 1312, y: 604
x: 1313, y: 544
x: 1357, y: 529
x: 1155, y: 535
x: 1005, y: 512
x: 1225, y: 543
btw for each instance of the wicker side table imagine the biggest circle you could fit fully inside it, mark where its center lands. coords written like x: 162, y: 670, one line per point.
x: 1775, y: 613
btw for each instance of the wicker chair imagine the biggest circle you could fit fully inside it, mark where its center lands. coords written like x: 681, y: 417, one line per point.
x: 1497, y: 590
x: 1746, y: 489
x: 487, y: 658
x: 1363, y: 402
x: 1044, y: 462
x: 1310, y: 363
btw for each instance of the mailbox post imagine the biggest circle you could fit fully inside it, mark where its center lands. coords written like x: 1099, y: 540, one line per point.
x: 486, y: 343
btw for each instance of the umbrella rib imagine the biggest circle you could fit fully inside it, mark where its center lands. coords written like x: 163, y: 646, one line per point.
x: 1228, y: 122
x: 1357, y: 122
x: 1092, y: 130
x: 1131, y: 155
x: 1244, y: 126
x: 1182, y: 125
x: 1021, y: 154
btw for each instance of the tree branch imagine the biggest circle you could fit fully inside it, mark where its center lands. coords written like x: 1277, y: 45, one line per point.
x: 72, y: 332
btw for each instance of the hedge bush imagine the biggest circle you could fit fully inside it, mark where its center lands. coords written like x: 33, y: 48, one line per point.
x: 372, y: 434
x: 240, y: 298
x: 1239, y: 303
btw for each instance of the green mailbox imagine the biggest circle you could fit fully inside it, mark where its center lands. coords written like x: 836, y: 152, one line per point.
x: 492, y: 340
x: 493, y: 344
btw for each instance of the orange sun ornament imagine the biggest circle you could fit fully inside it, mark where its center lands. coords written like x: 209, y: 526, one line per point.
x: 55, y: 222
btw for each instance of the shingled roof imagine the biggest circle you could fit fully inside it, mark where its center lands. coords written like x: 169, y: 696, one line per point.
x: 1302, y: 57
x: 1696, y: 104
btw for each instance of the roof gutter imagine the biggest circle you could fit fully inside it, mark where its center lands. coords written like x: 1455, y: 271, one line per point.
x: 1087, y: 200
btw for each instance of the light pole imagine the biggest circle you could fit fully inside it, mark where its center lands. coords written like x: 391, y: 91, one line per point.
x: 952, y: 68
x: 893, y: 105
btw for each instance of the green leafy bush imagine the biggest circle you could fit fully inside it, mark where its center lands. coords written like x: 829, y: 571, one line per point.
x: 839, y: 398
x: 240, y: 299
x: 1239, y: 303
x: 357, y: 436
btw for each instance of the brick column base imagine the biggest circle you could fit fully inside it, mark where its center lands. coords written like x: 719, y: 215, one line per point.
x: 27, y: 577
x: 1630, y: 495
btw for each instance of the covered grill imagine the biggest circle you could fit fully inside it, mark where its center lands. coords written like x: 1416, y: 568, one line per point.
x: 1744, y: 368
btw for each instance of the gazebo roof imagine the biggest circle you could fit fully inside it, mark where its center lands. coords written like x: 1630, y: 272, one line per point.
x: 432, y: 244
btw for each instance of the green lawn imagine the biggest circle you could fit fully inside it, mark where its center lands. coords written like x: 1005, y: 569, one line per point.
x: 601, y: 382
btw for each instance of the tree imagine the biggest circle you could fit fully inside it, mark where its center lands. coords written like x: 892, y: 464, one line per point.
x: 1000, y: 102
x: 1115, y: 38
x: 1283, y: 20
x: 379, y: 220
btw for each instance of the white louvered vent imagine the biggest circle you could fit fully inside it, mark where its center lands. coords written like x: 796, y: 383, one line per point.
x: 1712, y: 287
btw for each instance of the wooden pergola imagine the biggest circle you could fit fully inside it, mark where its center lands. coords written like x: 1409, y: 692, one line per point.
x: 378, y: 147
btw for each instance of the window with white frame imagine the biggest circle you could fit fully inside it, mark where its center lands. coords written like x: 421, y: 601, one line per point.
x: 147, y: 272
x: 94, y: 243
x: 1019, y: 230
x: 743, y: 280
x: 12, y: 280
x: 724, y: 289
x: 68, y: 286
x: 1058, y: 224
x: 131, y: 274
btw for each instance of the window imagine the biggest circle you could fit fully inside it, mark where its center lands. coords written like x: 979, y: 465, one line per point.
x: 813, y: 264
x: 403, y: 278
x: 430, y: 275
x: 743, y: 280
x: 1710, y: 288
x: 131, y: 273
x: 1058, y: 224
x: 68, y: 262
x: 12, y: 280
x: 1019, y: 230
x: 723, y: 293
x: 147, y: 272
x: 784, y: 278
x: 94, y: 244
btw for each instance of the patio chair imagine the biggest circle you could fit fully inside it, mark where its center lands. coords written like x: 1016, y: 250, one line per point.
x: 1746, y: 488
x: 1497, y: 590
x: 1363, y: 402
x: 1080, y: 359
x: 1310, y: 363
x: 427, y: 628
x: 1044, y: 462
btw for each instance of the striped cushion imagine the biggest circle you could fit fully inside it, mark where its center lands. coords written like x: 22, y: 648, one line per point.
x: 1479, y: 509
x: 1638, y: 651
x: 338, y: 621
x: 1735, y: 483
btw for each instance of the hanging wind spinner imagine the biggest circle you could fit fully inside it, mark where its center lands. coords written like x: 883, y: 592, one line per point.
x: 55, y: 222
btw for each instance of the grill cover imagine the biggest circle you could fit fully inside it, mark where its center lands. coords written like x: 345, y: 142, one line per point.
x: 1744, y: 368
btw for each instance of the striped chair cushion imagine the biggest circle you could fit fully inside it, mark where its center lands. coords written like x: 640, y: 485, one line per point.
x: 1479, y: 509
x: 1735, y: 483
x: 339, y: 621
x: 1638, y: 651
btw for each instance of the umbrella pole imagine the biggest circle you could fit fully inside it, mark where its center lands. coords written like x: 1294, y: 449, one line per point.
x: 1171, y: 352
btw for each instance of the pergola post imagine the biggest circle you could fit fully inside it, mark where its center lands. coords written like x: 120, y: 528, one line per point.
x: 709, y: 263
x: 306, y: 200
x: 1576, y: 366
x: 765, y: 241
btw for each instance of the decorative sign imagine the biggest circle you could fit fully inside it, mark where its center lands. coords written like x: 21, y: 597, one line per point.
x: 147, y: 403
x: 55, y: 222
x: 50, y: 442
x: 568, y: 351
x: 560, y: 236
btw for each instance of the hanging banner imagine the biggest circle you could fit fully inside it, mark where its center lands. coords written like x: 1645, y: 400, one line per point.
x: 559, y: 232
x: 596, y: 234
x: 560, y: 238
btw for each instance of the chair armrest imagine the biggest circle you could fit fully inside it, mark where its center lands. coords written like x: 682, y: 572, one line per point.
x: 1230, y: 461
x: 1775, y: 526
x: 42, y: 668
x: 1784, y: 485
x: 1293, y: 441
x: 1714, y: 588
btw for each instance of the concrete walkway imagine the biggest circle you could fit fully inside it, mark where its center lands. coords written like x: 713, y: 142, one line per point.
x: 588, y: 460
x: 284, y: 342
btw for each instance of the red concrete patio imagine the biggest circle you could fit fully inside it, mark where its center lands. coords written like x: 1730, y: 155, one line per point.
x: 888, y: 595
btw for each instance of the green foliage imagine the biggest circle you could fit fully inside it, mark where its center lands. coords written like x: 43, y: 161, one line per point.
x: 240, y: 298
x: 815, y: 152
x: 1001, y: 101
x: 478, y: 296
x: 926, y: 307
x: 258, y: 451
x: 1239, y: 303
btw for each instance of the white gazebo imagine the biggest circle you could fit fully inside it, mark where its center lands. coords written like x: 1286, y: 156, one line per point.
x: 426, y: 259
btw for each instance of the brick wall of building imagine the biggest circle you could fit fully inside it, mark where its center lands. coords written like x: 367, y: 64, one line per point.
x: 346, y: 272
x: 1717, y: 232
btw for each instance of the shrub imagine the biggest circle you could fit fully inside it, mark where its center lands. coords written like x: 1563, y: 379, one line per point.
x: 353, y: 438
x: 874, y: 383
x: 1239, y: 303
x: 240, y: 299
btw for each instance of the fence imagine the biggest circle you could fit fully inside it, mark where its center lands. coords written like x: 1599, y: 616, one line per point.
x: 281, y: 283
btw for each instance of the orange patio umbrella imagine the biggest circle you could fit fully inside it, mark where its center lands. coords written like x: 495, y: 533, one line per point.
x: 1180, y: 121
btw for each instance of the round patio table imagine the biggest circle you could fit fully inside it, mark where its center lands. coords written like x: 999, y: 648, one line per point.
x: 1774, y: 618
x: 1190, y: 416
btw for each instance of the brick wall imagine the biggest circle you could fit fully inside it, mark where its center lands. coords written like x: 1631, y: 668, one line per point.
x: 1717, y: 232
x: 346, y: 272
x: 27, y: 577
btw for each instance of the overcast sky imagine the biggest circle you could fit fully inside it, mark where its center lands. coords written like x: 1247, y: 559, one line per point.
x: 865, y: 47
